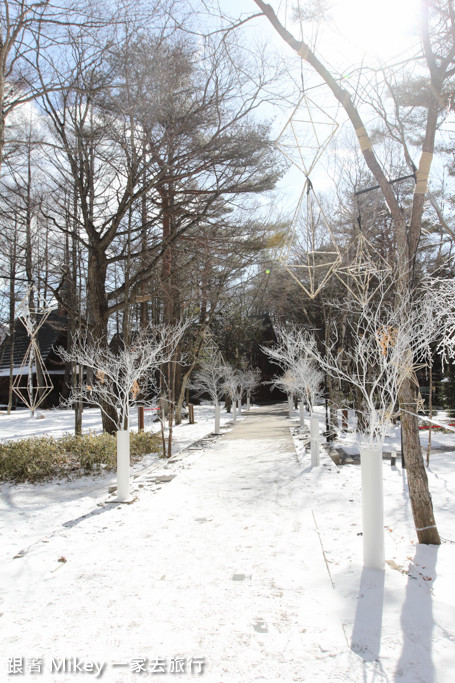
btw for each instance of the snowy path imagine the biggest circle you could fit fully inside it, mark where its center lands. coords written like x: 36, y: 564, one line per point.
x: 222, y: 563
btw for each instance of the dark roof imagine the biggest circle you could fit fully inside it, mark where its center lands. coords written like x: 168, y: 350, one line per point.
x: 48, y: 336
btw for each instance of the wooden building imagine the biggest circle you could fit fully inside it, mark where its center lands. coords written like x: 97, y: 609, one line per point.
x: 51, y: 335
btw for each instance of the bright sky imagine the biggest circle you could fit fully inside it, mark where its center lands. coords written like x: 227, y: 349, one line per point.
x: 381, y: 29
x: 368, y: 31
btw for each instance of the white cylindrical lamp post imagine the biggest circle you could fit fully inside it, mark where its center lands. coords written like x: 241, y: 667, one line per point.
x: 123, y: 464
x: 302, y: 413
x: 314, y: 440
x: 217, y: 417
x: 372, y: 507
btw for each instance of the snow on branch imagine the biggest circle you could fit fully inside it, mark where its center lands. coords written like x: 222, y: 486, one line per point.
x: 251, y: 380
x: 441, y: 294
x: 389, y: 342
x: 231, y: 382
x: 294, y: 354
x: 292, y: 342
x: 124, y: 378
x: 209, y: 378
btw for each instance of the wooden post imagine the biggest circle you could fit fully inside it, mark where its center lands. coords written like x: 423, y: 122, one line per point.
x: 344, y: 419
x: 76, y: 380
x: 140, y: 418
x: 190, y: 413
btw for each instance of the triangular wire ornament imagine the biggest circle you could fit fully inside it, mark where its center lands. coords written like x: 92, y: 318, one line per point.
x: 310, y: 254
x: 362, y: 270
x: 306, y: 134
x: 211, y: 350
x: 33, y: 317
x: 32, y: 383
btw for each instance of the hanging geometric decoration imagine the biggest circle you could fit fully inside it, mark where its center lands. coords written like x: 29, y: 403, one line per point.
x: 28, y: 314
x: 363, y: 270
x: 310, y: 254
x: 32, y: 383
x: 306, y: 134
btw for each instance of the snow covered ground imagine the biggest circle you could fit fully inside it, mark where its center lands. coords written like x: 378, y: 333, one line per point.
x: 401, y: 623
x: 82, y: 578
x: 29, y: 512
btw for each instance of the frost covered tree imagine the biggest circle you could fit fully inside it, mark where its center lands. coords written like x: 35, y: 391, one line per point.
x: 124, y: 378
x: 252, y: 379
x: 390, y: 342
x: 442, y: 295
x: 247, y: 380
x: 287, y: 384
x: 309, y: 380
x: 292, y: 342
x: 301, y: 376
x: 210, y: 379
x: 231, y: 387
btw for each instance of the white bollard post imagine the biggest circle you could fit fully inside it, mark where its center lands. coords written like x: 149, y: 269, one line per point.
x: 302, y: 414
x: 290, y: 405
x: 123, y: 464
x: 217, y: 418
x: 314, y: 440
x: 372, y: 506
x: 248, y: 403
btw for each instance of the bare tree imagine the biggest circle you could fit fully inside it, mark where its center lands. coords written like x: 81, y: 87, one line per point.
x: 389, y: 344
x: 390, y: 341
x: 441, y: 293
x: 309, y: 382
x: 252, y: 379
x: 231, y: 387
x: 209, y: 379
x: 124, y: 378
x: 293, y: 353
x: 286, y: 383
x: 31, y: 31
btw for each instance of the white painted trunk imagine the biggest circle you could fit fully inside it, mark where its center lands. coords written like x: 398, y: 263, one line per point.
x: 239, y: 402
x: 314, y: 440
x: 217, y: 418
x: 372, y: 506
x: 290, y: 405
x: 234, y: 411
x: 123, y: 464
x: 302, y: 414
x: 248, y: 403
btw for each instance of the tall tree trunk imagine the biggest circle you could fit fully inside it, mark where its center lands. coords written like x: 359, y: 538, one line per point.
x: 144, y: 311
x: 98, y: 320
x: 12, y: 316
x: 74, y: 321
x: 421, y: 503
